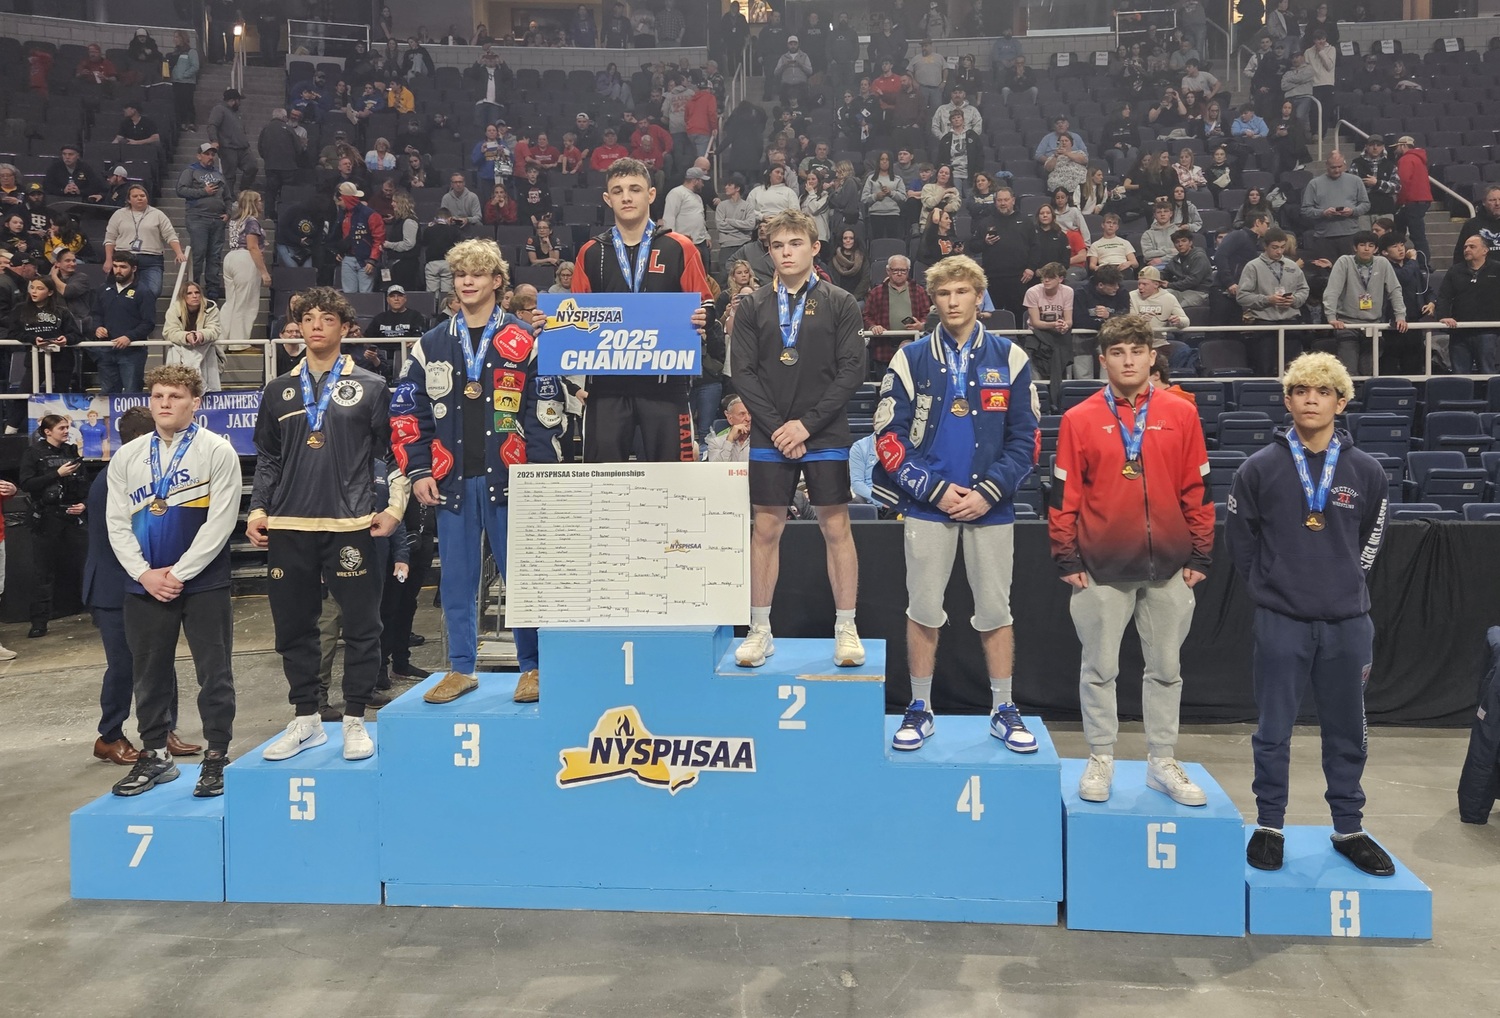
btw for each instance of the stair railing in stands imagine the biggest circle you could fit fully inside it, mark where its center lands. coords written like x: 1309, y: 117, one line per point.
x: 1466, y: 203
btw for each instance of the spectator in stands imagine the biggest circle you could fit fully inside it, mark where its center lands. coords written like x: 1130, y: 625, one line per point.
x: 643, y: 27
x: 1265, y: 69
x: 38, y: 218
x: 848, y: 266
x: 437, y: 240
x: 1100, y: 300
x: 136, y: 129
x: 792, y: 71
x: 617, y: 28
x: 74, y: 287
x: 581, y: 30
x: 12, y: 193
x: 1332, y: 204
x: 562, y: 279
x: 96, y: 67
x: 1018, y: 80
x: 942, y: 117
x: 1156, y: 242
x: 281, y: 149
x: 1066, y: 166
x: 1007, y: 254
x: 398, y: 97
x: 939, y: 240
x: 245, y: 269
x: 886, y: 43
x: 1110, y: 250
x: 1320, y: 21
x: 1049, y: 315
x: 1297, y: 87
x: 1359, y: 287
x: 51, y: 475
x: 124, y: 315
x: 894, y: 303
x: 380, y: 350
x: 41, y: 321
x: 1185, y: 51
x: 194, y: 328
x: 1195, y: 80
x: 734, y: 218
x: 301, y: 231
x: 1188, y: 272
x: 359, y: 240
x: 380, y: 158
x: 927, y: 72
x: 226, y: 129
x: 1288, y: 139
x: 1377, y: 171
x: 1248, y: 126
x: 1168, y: 115
x: 144, y: 231
x: 145, y: 57
x: 1158, y: 305
x: 533, y: 199
x: 1049, y: 241
x: 883, y: 198
x: 607, y: 152
x: 1471, y: 293
x: 116, y: 189
x: 500, y: 210
x: 1003, y: 53
x: 1069, y: 219
x: 1414, y: 196
x: 461, y: 205
x: 1184, y: 213
x: 684, y: 213
x: 1271, y: 290
x: 939, y: 192
x: 17, y: 241
x: 542, y: 247
x: 773, y: 194
x: 401, y: 234
x: 416, y: 60
x: 202, y: 186
x: 732, y: 445
x: 1118, y: 139
x: 72, y: 178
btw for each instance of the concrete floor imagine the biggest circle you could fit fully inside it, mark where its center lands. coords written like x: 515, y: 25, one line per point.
x: 60, y: 957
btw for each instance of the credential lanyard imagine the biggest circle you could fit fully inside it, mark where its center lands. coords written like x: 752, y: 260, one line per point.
x: 162, y: 482
x: 1132, y: 442
x: 316, y: 408
x: 791, y: 321
x: 633, y: 279
x: 1317, y: 498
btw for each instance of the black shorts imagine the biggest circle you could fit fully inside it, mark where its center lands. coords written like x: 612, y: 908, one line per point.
x: 774, y: 483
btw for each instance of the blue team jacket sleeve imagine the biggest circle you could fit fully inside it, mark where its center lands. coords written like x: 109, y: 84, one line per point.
x: 544, y: 410
x: 412, y: 428
x: 1003, y: 479
x: 900, y: 458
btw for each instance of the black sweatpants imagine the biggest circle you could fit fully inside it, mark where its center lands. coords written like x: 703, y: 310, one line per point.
x: 1334, y: 657
x: 399, y: 605
x: 116, y: 692
x: 300, y: 562
x: 610, y: 422
x: 152, y: 627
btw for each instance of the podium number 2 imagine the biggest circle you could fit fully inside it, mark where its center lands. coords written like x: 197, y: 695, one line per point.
x: 468, y: 736
x: 968, y: 799
x: 303, y: 799
x: 146, y: 833
x: 629, y: 648
x: 798, y: 696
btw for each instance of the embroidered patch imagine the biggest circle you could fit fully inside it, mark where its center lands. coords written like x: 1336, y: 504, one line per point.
x: 513, y: 343
x: 994, y: 399
x: 891, y: 452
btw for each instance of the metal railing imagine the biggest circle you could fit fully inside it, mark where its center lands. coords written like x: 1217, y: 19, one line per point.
x: 1319, y: 106
x: 1142, y: 18
x: 315, y: 36
x: 1431, y: 180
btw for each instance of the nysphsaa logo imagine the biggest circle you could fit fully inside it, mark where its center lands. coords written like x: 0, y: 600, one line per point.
x: 570, y: 316
x: 620, y: 746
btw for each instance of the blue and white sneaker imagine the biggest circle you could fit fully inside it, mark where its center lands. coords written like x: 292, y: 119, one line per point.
x: 1007, y: 726
x: 916, y: 727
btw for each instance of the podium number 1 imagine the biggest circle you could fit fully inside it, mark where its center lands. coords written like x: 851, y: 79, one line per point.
x: 798, y: 696
x: 968, y: 799
x: 146, y: 833
x: 468, y: 736
x: 629, y: 648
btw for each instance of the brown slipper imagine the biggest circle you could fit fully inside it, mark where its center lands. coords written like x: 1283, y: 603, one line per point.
x: 453, y: 686
x: 528, y: 687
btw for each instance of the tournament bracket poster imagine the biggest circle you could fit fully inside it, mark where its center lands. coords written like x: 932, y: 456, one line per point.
x: 619, y: 334
x: 97, y: 435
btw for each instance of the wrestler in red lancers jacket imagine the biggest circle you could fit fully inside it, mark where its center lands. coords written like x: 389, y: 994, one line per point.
x: 1120, y: 529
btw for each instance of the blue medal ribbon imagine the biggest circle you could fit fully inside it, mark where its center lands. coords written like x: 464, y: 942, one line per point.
x: 474, y: 358
x: 791, y: 321
x: 1317, y: 497
x: 958, y: 362
x: 161, y: 482
x: 642, y: 256
x: 1132, y: 442
x: 316, y: 408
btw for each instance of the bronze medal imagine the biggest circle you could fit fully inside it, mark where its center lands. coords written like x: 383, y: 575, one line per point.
x: 473, y: 390
x: 315, y: 440
x: 1315, y: 522
x: 1132, y: 470
x: 960, y: 407
x: 789, y: 355
x: 158, y: 507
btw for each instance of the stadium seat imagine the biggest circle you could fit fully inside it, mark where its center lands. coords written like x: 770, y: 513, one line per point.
x: 1423, y: 511
x: 1386, y: 433
x: 1245, y: 436
x: 1489, y: 462
x: 863, y: 511
x: 1391, y: 396
x: 1394, y: 470
x: 1457, y: 429
x: 1209, y: 395
x: 1075, y: 391
x: 1222, y: 465
x: 1452, y: 392
x: 1223, y: 356
x: 1264, y: 395
x: 1477, y: 512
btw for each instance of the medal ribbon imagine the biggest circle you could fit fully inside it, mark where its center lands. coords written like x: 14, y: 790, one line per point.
x: 958, y: 361
x: 1132, y: 442
x: 1316, y: 498
x: 474, y: 358
x: 789, y: 320
x: 633, y: 279
x: 161, y: 482
x: 315, y: 409
x: 1365, y: 275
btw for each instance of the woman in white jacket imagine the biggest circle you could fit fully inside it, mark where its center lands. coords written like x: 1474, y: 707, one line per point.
x: 193, y: 329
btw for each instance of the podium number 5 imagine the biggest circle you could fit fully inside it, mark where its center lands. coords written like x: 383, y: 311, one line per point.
x: 798, y: 696
x: 468, y: 756
x: 629, y: 648
x: 146, y: 833
x: 968, y: 799
x: 303, y: 799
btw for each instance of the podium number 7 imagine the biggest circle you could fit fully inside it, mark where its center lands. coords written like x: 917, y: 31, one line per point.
x: 146, y: 832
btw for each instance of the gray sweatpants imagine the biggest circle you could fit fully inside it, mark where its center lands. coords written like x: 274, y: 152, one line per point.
x: 1163, y: 612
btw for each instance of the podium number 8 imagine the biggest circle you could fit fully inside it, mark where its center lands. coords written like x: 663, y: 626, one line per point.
x: 968, y: 799
x: 468, y: 755
x: 146, y: 833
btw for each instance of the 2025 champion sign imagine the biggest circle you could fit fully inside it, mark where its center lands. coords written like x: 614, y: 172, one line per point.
x: 619, y: 334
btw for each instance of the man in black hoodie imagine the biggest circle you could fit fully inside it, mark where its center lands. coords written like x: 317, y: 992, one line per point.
x: 1306, y: 518
x: 1005, y: 251
x: 1485, y: 225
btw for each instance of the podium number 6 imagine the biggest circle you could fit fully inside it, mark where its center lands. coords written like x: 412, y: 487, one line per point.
x: 146, y: 833
x: 468, y: 756
x: 798, y: 696
x: 303, y: 799
x: 968, y: 799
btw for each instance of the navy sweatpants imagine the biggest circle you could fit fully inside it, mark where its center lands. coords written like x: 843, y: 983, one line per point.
x: 1335, y: 657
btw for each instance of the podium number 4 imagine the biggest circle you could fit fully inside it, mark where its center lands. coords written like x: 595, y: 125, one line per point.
x: 968, y: 799
x: 798, y: 696
x: 468, y: 736
x: 146, y: 833
x: 303, y: 799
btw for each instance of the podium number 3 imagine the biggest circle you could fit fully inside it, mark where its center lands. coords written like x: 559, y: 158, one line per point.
x: 968, y: 799
x: 798, y: 696
x: 303, y: 799
x: 468, y: 736
x: 146, y: 833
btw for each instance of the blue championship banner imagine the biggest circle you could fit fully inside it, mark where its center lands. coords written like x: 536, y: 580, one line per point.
x: 94, y: 431
x: 619, y: 334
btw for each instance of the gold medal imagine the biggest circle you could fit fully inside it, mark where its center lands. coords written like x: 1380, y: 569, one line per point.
x: 789, y: 355
x: 1131, y: 471
x: 1315, y: 522
x: 158, y: 507
x: 960, y: 408
x: 473, y: 390
x: 315, y: 440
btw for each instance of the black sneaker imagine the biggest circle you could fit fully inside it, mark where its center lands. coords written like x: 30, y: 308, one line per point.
x: 411, y: 671
x: 153, y: 767
x: 379, y: 700
x: 1363, y: 851
x: 211, y: 775
x: 1265, y: 849
x: 383, y: 680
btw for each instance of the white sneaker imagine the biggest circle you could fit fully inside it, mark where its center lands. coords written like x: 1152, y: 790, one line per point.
x: 305, y: 732
x: 752, y: 653
x: 848, y: 652
x: 6, y: 654
x: 1097, y: 778
x: 1167, y: 776
x: 357, y: 742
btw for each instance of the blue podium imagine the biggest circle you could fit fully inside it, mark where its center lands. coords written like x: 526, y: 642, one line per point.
x: 656, y: 775
x: 304, y: 829
x: 1319, y: 893
x: 163, y: 845
x: 1141, y: 863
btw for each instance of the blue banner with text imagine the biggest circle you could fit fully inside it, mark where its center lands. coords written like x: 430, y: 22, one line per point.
x: 95, y: 418
x: 619, y: 334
